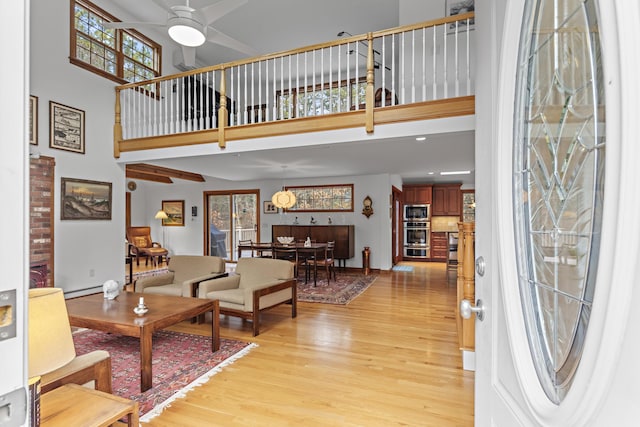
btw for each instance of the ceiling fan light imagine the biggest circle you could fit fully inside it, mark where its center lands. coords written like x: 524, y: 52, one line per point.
x: 186, y: 32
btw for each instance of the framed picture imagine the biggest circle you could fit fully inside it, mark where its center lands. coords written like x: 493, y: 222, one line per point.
x: 175, y: 212
x: 66, y: 128
x: 33, y: 120
x: 269, y: 208
x: 458, y: 7
x: 84, y: 199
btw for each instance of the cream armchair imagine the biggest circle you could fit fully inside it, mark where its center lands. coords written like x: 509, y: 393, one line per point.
x: 52, y: 354
x: 184, y: 275
x: 259, y: 284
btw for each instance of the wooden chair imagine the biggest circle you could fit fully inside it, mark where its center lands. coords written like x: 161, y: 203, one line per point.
x: 289, y: 253
x: 244, y: 243
x: 327, y: 262
x: 142, y: 246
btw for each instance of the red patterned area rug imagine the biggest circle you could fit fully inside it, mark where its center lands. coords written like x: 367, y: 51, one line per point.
x: 345, y: 289
x: 180, y: 362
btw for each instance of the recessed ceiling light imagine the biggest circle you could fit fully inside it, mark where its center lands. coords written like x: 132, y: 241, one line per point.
x: 421, y: 138
x: 429, y: 173
x: 455, y: 173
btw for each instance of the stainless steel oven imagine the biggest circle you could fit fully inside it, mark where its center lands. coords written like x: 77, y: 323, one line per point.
x: 416, y: 239
x: 417, y: 212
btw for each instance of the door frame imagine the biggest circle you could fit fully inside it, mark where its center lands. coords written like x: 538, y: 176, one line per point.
x: 205, y: 223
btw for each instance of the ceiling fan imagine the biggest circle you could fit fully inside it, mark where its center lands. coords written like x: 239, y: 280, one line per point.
x: 191, y: 27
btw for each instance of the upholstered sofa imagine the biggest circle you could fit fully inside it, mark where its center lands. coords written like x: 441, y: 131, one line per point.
x: 184, y: 274
x: 258, y: 284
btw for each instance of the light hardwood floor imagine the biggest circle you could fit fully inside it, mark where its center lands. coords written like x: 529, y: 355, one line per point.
x: 389, y: 358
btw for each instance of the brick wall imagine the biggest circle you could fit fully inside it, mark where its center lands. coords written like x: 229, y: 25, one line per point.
x: 41, y: 220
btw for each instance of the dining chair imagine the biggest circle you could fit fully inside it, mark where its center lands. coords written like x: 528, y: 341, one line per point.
x: 245, y: 243
x: 289, y: 253
x: 327, y: 261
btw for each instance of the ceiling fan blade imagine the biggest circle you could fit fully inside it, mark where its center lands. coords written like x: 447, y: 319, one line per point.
x: 163, y: 4
x: 189, y: 56
x: 215, y: 36
x: 133, y: 24
x: 218, y: 10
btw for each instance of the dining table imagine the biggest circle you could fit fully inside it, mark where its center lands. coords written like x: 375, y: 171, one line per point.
x: 306, y: 251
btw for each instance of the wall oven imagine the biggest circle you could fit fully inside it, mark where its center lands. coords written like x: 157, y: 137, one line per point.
x: 416, y: 239
x: 417, y: 212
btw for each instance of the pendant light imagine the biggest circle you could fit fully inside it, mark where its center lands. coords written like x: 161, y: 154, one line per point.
x: 283, y: 199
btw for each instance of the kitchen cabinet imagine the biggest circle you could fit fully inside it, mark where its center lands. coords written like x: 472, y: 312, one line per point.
x: 447, y: 200
x: 343, y: 235
x: 439, y: 246
x: 416, y: 194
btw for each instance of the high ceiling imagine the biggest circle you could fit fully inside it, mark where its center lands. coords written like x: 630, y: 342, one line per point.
x: 277, y: 25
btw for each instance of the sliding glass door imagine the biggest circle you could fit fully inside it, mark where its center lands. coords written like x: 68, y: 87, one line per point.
x: 232, y: 216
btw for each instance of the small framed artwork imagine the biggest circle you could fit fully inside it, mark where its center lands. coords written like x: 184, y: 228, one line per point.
x: 33, y: 120
x: 175, y: 213
x: 269, y: 208
x: 459, y: 7
x: 66, y: 128
x: 84, y: 199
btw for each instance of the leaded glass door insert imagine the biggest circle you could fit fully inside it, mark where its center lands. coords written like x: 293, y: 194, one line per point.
x: 558, y: 182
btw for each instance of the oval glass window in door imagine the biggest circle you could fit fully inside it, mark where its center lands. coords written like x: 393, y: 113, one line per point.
x: 558, y: 182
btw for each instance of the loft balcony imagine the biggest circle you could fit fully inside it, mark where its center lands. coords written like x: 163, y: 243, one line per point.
x: 409, y: 73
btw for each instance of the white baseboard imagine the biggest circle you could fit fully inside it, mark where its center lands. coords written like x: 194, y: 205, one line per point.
x: 469, y: 360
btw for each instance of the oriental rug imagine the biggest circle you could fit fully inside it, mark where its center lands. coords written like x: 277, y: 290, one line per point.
x: 180, y: 362
x: 347, y: 286
x: 147, y: 273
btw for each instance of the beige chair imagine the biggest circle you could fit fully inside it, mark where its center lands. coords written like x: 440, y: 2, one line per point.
x: 184, y: 275
x: 52, y: 354
x: 259, y: 284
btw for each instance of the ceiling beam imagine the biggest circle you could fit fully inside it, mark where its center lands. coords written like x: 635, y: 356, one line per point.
x: 167, y: 172
x: 148, y: 177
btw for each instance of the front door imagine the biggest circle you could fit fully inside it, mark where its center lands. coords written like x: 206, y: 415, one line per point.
x: 557, y: 223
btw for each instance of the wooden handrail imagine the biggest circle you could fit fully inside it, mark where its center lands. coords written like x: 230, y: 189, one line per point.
x: 318, y: 46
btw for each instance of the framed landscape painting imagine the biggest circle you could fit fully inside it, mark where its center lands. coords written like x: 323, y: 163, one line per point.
x: 175, y: 212
x: 84, y: 199
x: 66, y: 128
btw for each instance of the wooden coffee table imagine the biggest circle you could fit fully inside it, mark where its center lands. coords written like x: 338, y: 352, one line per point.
x: 117, y: 316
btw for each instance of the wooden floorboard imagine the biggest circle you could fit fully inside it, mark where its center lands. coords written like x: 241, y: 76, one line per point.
x: 389, y: 358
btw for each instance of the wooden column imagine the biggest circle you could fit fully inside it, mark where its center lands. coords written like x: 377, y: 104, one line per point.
x: 117, y: 127
x: 222, y: 112
x: 370, y: 101
x: 466, y: 283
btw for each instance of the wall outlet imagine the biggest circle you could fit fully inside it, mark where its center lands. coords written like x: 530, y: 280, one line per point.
x: 92, y: 272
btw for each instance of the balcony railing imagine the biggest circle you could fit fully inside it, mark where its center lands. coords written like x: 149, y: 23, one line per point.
x: 406, y: 73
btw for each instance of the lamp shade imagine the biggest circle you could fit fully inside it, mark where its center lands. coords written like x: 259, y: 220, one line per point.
x: 161, y: 214
x: 50, y: 341
x: 283, y: 199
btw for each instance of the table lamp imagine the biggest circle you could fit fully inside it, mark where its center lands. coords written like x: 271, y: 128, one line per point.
x: 50, y: 341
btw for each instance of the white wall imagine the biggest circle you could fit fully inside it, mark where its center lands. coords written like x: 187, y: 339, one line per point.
x: 87, y: 253
x: 188, y: 240
x: 14, y: 253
